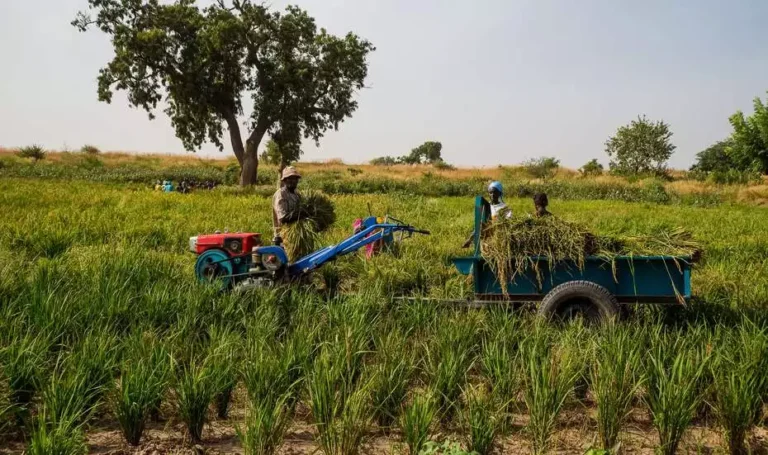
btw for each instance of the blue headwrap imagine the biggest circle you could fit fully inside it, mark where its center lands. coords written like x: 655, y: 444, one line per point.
x: 496, y: 186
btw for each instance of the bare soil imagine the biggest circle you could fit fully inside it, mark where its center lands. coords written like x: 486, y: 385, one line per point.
x: 575, y: 435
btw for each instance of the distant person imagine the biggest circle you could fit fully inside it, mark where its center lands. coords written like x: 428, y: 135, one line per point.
x: 285, y: 202
x: 168, y: 186
x: 158, y: 185
x: 540, y: 203
x: 499, y: 208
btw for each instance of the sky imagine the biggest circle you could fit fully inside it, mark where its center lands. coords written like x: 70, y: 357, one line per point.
x: 496, y: 81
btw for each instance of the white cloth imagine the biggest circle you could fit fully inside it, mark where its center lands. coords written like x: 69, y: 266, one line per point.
x: 500, y: 209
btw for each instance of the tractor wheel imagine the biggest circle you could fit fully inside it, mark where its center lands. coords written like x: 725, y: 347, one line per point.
x: 214, y: 265
x: 579, y: 299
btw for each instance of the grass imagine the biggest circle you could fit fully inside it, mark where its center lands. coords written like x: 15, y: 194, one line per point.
x: 416, y: 420
x: 739, y: 383
x: 615, y: 379
x: 675, y: 372
x: 196, y: 388
x: 97, y: 294
x: 551, y: 371
x: 265, y: 426
x: 481, y: 420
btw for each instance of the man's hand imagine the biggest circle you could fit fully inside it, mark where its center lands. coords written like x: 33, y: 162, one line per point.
x: 277, y: 241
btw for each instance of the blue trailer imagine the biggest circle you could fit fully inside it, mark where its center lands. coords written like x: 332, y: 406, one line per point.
x: 566, y: 290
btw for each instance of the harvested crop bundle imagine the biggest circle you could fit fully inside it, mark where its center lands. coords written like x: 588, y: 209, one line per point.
x: 317, y: 207
x: 316, y: 214
x: 514, y: 246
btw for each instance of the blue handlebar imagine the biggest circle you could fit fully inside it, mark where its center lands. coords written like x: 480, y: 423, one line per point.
x: 358, y: 240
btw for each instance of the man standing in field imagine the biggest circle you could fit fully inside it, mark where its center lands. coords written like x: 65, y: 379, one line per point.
x: 285, y: 202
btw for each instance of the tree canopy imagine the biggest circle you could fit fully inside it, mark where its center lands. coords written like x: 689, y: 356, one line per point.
x: 714, y: 158
x: 206, y: 63
x: 748, y: 147
x: 641, y: 147
x: 428, y: 152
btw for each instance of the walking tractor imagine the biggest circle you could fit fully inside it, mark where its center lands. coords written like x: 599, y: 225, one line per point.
x: 594, y: 291
x: 240, y: 260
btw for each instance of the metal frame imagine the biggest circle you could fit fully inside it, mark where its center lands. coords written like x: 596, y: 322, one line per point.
x: 351, y: 244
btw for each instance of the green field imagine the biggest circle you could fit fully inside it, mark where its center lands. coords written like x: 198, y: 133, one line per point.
x: 96, y: 287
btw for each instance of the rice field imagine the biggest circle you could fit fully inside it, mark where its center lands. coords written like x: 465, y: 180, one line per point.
x: 108, y: 345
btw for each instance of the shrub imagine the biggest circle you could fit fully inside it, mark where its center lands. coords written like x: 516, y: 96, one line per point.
x: 591, y: 168
x: 90, y: 149
x: 384, y: 161
x: 35, y: 152
x: 443, y: 166
x: 542, y: 168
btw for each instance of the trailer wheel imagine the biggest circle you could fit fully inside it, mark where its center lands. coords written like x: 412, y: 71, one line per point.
x: 579, y: 299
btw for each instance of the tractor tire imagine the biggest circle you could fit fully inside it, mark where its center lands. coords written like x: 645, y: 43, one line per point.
x: 579, y: 298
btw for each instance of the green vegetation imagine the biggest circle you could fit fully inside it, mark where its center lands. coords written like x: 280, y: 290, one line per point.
x: 542, y: 168
x: 34, y: 152
x: 301, y: 79
x: 642, y: 147
x: 101, y: 316
x: 591, y: 168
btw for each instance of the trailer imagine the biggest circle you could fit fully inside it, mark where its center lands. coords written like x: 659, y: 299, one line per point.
x: 565, y: 290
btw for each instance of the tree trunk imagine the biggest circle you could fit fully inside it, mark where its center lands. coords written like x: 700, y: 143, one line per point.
x: 235, y: 138
x: 250, y: 166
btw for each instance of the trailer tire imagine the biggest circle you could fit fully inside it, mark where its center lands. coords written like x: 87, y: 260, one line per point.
x: 579, y: 298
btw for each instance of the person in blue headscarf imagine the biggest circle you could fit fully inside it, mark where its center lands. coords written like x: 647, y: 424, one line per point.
x: 497, y: 205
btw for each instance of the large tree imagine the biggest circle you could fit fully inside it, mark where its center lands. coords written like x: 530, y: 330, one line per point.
x: 205, y: 61
x: 641, y: 147
x: 748, y: 147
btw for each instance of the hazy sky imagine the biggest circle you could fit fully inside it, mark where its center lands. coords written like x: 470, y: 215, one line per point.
x: 496, y: 81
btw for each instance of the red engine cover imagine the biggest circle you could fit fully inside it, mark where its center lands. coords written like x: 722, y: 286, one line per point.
x: 235, y: 244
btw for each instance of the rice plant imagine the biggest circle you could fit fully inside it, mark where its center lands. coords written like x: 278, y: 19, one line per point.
x: 57, y: 438
x: 500, y: 367
x: 391, y: 376
x: 225, y: 355
x: 481, y: 421
x: 616, y: 377
x: 142, y: 384
x: 265, y: 426
x: 674, y: 388
x: 267, y: 374
x: 24, y: 363
x: 340, y: 408
x: 739, y: 381
x: 71, y: 393
x: 448, y: 360
x: 195, y: 390
x: 95, y: 359
x: 550, y: 375
x: 416, y: 421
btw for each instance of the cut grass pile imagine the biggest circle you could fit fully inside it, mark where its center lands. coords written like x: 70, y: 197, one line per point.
x: 515, y: 246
